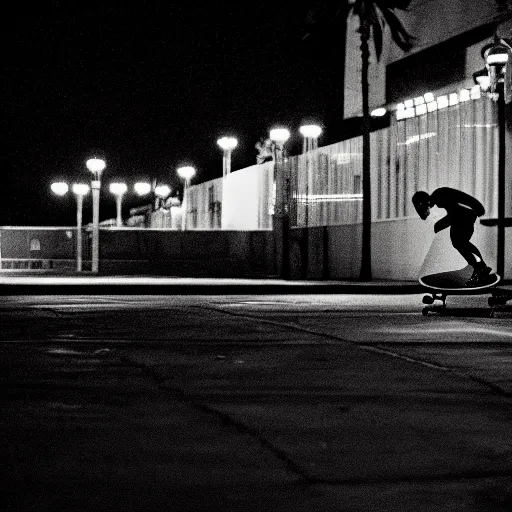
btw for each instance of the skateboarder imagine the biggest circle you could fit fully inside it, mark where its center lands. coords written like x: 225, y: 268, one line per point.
x: 461, y: 213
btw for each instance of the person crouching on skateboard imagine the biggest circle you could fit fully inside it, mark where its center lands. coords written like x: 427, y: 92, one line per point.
x: 461, y: 213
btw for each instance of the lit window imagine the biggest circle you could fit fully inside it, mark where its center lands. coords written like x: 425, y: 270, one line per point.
x: 442, y: 102
x: 464, y: 95
x: 421, y: 109
x: 432, y: 106
x: 454, y: 99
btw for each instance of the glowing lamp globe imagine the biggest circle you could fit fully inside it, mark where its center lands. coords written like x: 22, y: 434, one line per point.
x: 311, y: 131
x: 80, y: 189
x: 227, y: 143
x: 118, y: 188
x: 142, y: 188
x: 497, y: 55
x: 162, y: 191
x: 186, y: 173
x: 96, y: 165
x: 378, y: 112
x: 60, y: 188
x: 279, y: 135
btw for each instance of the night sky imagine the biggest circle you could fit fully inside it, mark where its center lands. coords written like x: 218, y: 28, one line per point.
x: 151, y: 88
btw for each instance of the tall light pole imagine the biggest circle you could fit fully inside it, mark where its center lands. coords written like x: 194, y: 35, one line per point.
x: 310, y: 132
x: 80, y: 190
x: 119, y: 190
x: 279, y: 136
x: 96, y: 166
x: 227, y: 145
x: 497, y: 58
x: 185, y: 173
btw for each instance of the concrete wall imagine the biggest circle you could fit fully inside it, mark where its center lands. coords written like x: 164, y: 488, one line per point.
x: 188, y: 253
x: 53, y: 243
x: 145, y: 251
x: 399, y: 250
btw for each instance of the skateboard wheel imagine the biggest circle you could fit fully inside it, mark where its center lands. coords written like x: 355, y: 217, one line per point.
x: 425, y: 311
x: 428, y: 299
x: 492, y: 301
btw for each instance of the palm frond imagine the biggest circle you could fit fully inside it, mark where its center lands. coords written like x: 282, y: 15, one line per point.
x: 377, y: 39
x: 400, y: 36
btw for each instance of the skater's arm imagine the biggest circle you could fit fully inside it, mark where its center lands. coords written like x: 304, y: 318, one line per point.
x: 441, y: 224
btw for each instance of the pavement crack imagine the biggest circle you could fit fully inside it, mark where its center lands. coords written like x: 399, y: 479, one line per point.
x: 225, y: 419
x: 495, y: 389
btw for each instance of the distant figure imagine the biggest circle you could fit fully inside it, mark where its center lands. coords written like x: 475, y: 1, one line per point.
x: 462, y: 211
x: 264, y: 147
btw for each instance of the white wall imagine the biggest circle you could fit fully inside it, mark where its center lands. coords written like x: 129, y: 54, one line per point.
x: 399, y: 250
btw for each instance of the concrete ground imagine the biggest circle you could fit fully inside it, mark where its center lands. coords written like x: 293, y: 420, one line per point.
x: 254, y: 403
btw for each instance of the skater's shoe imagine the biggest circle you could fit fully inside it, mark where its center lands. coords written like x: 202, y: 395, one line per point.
x: 480, y: 276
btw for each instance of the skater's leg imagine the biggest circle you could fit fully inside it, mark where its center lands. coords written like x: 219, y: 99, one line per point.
x: 460, y: 235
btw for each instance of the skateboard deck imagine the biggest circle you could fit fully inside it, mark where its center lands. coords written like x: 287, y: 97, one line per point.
x: 454, y: 281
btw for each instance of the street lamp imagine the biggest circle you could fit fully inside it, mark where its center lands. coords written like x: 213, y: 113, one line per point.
x: 278, y: 137
x: 227, y: 145
x: 118, y: 189
x: 162, y: 192
x: 310, y: 132
x: 80, y: 190
x: 497, y: 58
x: 186, y: 173
x: 96, y: 166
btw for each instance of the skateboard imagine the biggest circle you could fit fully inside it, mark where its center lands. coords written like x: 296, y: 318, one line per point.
x: 442, y: 284
x: 444, y: 272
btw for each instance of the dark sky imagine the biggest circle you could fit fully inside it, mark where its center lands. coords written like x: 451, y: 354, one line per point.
x: 151, y: 87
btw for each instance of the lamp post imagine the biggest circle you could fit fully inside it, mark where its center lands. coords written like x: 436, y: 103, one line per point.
x: 80, y: 190
x: 227, y: 144
x: 186, y: 173
x: 310, y: 132
x: 278, y: 137
x: 118, y: 189
x: 96, y: 166
x: 492, y: 80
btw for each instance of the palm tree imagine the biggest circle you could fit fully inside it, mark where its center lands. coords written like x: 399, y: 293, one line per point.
x: 373, y: 16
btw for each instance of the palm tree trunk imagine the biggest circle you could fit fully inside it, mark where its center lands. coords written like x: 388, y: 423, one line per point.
x: 366, y: 256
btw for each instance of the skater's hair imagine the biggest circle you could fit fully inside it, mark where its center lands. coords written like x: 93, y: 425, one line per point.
x: 420, y: 197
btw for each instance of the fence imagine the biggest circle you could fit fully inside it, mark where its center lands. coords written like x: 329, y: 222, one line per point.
x: 454, y: 146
